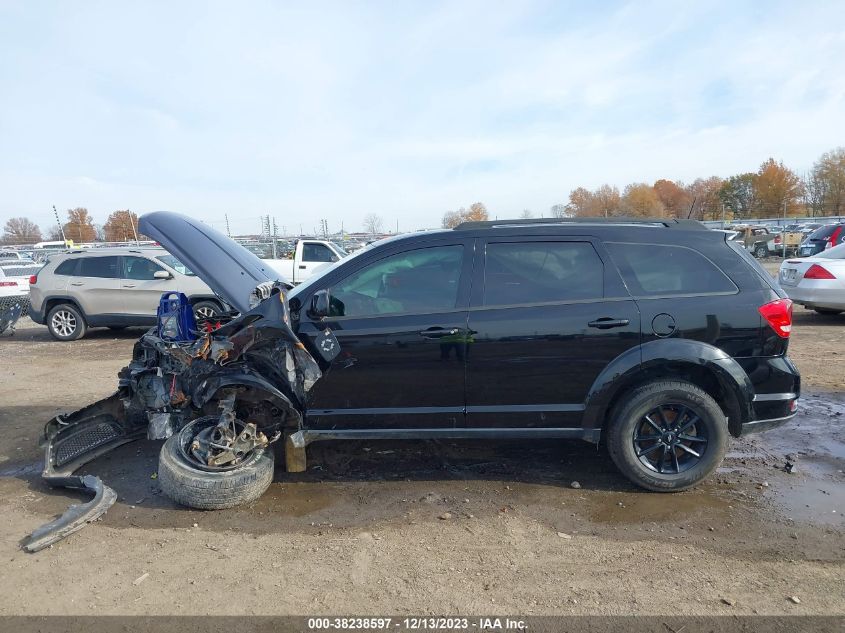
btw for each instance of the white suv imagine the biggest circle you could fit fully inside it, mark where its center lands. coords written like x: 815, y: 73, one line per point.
x: 114, y: 287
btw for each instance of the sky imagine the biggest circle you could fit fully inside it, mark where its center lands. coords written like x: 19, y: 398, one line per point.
x: 306, y: 111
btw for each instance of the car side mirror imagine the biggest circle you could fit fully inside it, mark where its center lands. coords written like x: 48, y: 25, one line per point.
x: 162, y: 274
x: 319, y: 304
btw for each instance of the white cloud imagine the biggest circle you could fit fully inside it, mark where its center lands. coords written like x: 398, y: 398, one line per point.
x: 405, y: 111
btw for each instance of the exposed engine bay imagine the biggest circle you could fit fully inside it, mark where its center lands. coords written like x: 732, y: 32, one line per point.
x: 227, y: 393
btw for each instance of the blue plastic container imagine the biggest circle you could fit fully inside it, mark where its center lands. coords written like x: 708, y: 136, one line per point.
x: 176, y: 320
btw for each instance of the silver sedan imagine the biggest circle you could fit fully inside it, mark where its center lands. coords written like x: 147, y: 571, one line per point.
x: 816, y: 282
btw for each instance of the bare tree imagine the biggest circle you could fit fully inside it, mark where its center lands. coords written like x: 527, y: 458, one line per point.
x: 559, y: 211
x: 373, y: 223
x: 21, y: 231
x: 526, y: 214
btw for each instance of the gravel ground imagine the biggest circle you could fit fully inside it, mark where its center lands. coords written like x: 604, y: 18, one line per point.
x: 430, y: 527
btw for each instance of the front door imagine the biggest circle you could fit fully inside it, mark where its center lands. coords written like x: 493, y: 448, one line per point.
x: 400, y: 320
x: 140, y: 288
x: 547, y: 315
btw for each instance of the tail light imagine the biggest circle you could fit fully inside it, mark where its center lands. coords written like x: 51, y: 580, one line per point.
x: 833, y: 238
x: 8, y: 284
x: 779, y: 316
x: 818, y: 272
x: 777, y: 239
x: 33, y: 279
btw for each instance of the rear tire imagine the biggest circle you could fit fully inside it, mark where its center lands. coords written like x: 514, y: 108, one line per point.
x: 827, y: 311
x: 761, y: 251
x: 212, y: 490
x: 65, y: 323
x: 648, y: 427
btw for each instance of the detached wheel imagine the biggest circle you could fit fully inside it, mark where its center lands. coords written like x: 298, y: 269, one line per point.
x: 667, y: 436
x: 65, y: 323
x: 190, y: 483
x: 206, y: 310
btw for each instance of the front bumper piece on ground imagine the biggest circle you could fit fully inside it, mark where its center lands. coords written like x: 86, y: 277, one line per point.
x: 70, y: 442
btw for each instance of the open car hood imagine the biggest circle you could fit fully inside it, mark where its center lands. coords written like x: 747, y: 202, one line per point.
x: 229, y: 269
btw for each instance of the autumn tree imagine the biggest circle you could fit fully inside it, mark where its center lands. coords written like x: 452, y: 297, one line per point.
x: 705, y: 203
x: 79, y: 226
x: 121, y: 226
x: 829, y: 176
x: 673, y: 196
x: 608, y: 201
x: 21, y: 231
x: 640, y: 200
x: 373, y: 223
x: 739, y: 195
x: 776, y: 188
x: 581, y: 203
x: 477, y: 212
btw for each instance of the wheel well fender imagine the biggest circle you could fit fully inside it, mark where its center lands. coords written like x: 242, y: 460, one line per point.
x: 704, y: 365
x: 252, y: 387
x: 54, y: 301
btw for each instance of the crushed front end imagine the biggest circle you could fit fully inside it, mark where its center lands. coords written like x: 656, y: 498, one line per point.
x: 240, y: 386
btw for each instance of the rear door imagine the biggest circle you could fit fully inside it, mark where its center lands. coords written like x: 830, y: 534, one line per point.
x: 547, y: 316
x: 96, y: 285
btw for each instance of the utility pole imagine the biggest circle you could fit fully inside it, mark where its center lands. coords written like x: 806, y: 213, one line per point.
x: 132, y: 222
x: 228, y: 232
x: 783, y: 233
x: 61, y: 228
x: 275, y: 236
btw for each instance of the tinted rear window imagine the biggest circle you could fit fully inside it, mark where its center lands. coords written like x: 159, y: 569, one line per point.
x: 106, y: 267
x: 542, y: 272
x: 653, y: 270
x: 822, y: 232
x: 67, y: 267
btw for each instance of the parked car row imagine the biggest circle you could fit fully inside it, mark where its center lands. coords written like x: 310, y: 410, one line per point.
x: 791, y: 240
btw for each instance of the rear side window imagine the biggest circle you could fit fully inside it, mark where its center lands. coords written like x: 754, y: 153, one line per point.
x: 67, y: 267
x: 106, y: 267
x: 654, y: 270
x: 542, y: 272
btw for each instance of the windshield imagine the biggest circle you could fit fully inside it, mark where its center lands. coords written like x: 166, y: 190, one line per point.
x: 340, y: 250
x: 176, y: 265
x: 837, y: 252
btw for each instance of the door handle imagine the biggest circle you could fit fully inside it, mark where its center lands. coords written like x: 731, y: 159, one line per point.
x: 76, y: 283
x: 302, y: 267
x: 605, y: 323
x: 128, y: 286
x: 438, y: 332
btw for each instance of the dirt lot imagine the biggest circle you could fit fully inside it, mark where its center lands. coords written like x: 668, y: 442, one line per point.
x: 431, y: 527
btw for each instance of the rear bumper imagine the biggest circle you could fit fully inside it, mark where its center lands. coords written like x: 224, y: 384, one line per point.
x: 777, y: 387
x: 36, y: 315
x: 818, y: 296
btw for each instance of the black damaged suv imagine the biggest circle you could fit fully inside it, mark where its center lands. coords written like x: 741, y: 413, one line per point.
x: 658, y: 337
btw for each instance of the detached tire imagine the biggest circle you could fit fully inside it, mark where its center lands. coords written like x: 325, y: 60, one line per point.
x: 212, y: 490
x: 667, y: 436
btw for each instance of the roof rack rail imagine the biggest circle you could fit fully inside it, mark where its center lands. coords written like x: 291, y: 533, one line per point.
x: 665, y: 222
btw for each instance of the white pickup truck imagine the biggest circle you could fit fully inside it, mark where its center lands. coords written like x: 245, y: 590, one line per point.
x: 309, y: 256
